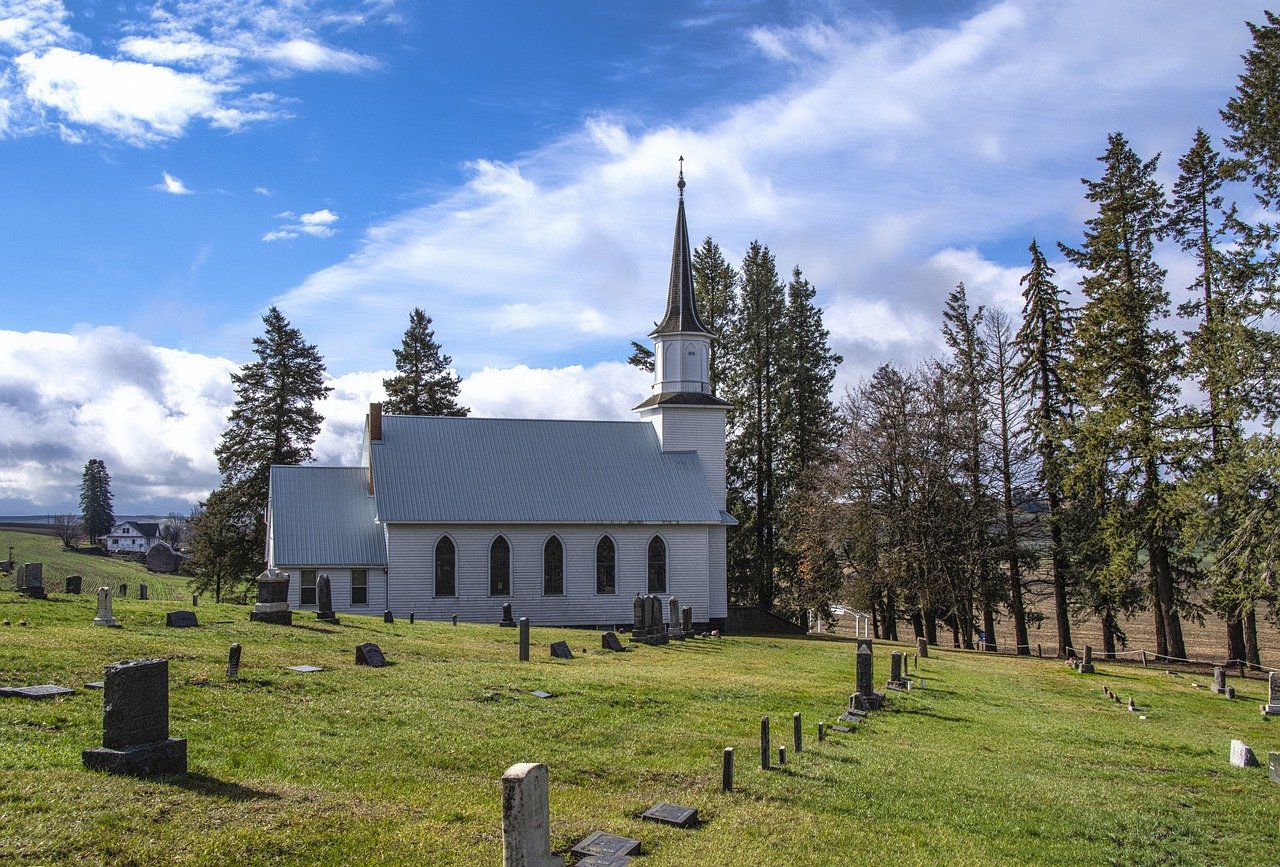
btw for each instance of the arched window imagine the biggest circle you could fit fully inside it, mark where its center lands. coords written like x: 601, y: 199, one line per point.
x: 446, y: 567
x: 657, y: 565
x: 606, y: 560
x: 553, y: 567
x: 500, y: 567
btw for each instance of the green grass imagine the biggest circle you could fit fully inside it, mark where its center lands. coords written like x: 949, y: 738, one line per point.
x: 997, y: 761
x: 96, y: 569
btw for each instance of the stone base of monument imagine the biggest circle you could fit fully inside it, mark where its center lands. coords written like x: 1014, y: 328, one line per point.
x: 164, y: 757
x: 1270, y: 709
x: 107, y: 621
x: 278, y: 618
x: 510, y: 624
x: 1085, y: 668
x: 869, y: 702
x: 900, y: 685
x: 327, y: 617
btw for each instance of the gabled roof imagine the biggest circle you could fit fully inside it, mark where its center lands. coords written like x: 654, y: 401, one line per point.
x: 324, y: 516
x: 146, y: 529
x: 444, y: 470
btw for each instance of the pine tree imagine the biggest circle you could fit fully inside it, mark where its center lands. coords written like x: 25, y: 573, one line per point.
x: 1123, y: 377
x: 274, y: 421
x: 95, y: 500
x: 1042, y: 342
x: 808, y: 425
x: 715, y: 290
x: 424, y: 384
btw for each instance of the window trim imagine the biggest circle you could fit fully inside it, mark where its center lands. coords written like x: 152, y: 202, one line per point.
x: 302, y: 587
x: 353, y: 586
x: 648, y: 564
x: 614, y: 545
x: 435, y: 563
x: 492, y: 543
x: 545, y: 543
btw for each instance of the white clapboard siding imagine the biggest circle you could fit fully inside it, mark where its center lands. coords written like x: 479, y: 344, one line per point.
x: 696, y: 429
x: 411, y: 555
x: 340, y: 589
x: 718, y: 578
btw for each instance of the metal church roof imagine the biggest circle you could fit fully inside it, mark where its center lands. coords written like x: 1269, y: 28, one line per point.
x: 444, y: 470
x: 324, y: 516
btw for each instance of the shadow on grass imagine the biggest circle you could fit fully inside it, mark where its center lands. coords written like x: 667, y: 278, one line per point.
x: 321, y: 629
x: 203, y: 784
x: 938, y: 716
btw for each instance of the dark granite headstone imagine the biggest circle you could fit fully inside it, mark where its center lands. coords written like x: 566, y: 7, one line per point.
x: 233, y: 662
x: 371, y: 655
x: 455, y: 620
x: 411, y: 617
x: 865, y: 669
x: 609, y: 641
x: 44, y: 690
x: 124, y: 591
x: 1219, y: 680
x: 144, y: 592
x: 686, y: 619
x: 273, y: 599
x: 74, y: 584
x: 135, y: 722
x: 599, y: 844
x: 181, y: 619
x: 506, y: 615
x: 560, y: 650
x: 638, y: 610
x: 764, y: 743
x: 324, y: 599
x: 388, y: 617
x: 922, y: 648
x: 195, y: 600
x: 524, y: 639
x: 671, y: 814
x: 34, y: 574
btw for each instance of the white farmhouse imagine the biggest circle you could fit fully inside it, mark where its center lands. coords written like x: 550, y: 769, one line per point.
x: 565, y: 520
x: 132, y: 537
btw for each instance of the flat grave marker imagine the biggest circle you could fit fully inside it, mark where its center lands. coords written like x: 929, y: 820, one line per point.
x: 671, y: 814
x: 44, y: 690
x: 305, y: 669
x: 600, y: 844
x: 539, y: 693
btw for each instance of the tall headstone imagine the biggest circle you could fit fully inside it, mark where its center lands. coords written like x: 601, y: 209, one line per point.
x: 105, y: 616
x: 35, y: 581
x: 865, y: 671
x: 506, y: 615
x: 20, y: 578
x: 673, y: 617
x: 524, y: 639
x: 526, y: 816
x: 1086, y: 664
x: 273, y: 599
x: 922, y: 648
x: 74, y: 584
x: 797, y: 736
x: 764, y: 743
x: 726, y: 776
x: 124, y: 591
x: 233, y: 662
x: 135, y: 722
x: 1219, y: 680
x: 144, y: 592
x: 896, y: 680
x: 324, y: 599
x: 1272, y: 707
x: 388, y: 617
x: 686, y: 620
x: 638, y: 611
x: 1273, y: 767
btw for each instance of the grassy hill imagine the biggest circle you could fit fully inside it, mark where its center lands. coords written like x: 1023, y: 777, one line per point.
x: 996, y: 761
x: 96, y: 569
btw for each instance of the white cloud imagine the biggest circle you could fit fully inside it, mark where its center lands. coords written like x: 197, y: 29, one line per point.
x: 34, y: 24
x: 173, y: 186
x: 305, y: 55
x: 317, y: 224
x: 603, y: 391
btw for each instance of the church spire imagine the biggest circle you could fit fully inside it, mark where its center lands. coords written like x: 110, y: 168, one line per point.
x: 682, y: 312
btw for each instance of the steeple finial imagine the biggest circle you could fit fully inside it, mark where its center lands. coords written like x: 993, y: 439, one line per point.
x: 680, y: 183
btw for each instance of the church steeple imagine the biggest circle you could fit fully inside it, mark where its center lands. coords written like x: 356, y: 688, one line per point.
x: 682, y: 311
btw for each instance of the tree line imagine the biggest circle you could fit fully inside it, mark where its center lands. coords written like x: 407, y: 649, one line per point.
x: 1091, y: 454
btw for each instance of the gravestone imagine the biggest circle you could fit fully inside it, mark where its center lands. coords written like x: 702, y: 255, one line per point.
x: 144, y: 592
x: 273, y: 599
x: 1086, y: 665
x: 1273, y: 767
x: 671, y: 814
x: 922, y: 648
x: 20, y: 578
x: 1242, y: 756
x: 782, y: 754
x: 74, y: 584
x: 764, y: 743
x: 560, y: 650
x: 822, y: 732
x: 1272, y: 707
x: 1219, y: 680
x: 195, y: 600
x: 686, y: 620
x: 896, y: 680
x: 33, y: 575
x: 371, y: 655
x: 506, y: 615
x: 797, y: 735
x: 526, y: 818
x: 524, y: 639
x: 638, y: 613
x: 104, y: 616
x: 233, y: 662
x: 388, y: 617
x: 305, y: 669
x: 673, y: 615
x: 726, y: 770
x: 609, y: 641
x: 411, y: 617
x: 601, y: 848
x: 865, y: 670
x: 44, y: 690
x: 135, y: 722
x: 1133, y: 706
x: 181, y: 619
x: 124, y: 591
x: 324, y: 599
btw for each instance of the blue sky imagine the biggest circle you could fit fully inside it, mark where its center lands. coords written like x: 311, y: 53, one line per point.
x: 169, y: 170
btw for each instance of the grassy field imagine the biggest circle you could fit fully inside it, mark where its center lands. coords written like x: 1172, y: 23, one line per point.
x: 96, y: 569
x: 997, y: 760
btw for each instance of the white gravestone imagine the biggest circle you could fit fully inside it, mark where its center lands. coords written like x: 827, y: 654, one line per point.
x: 526, y: 818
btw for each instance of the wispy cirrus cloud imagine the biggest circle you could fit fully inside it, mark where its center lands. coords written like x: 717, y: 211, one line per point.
x: 316, y: 224
x: 175, y: 63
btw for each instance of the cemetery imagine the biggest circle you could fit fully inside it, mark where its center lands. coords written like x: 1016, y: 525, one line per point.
x: 229, y: 739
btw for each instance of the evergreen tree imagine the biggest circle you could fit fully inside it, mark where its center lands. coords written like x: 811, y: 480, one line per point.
x: 808, y: 425
x: 641, y: 356
x: 715, y: 290
x: 424, y: 384
x: 1042, y: 343
x: 274, y: 421
x: 95, y: 500
x: 1123, y: 377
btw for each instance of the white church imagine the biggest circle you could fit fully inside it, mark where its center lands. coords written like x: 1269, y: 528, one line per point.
x: 564, y: 520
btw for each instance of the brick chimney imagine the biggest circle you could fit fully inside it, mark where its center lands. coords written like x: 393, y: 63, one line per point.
x: 375, y: 422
